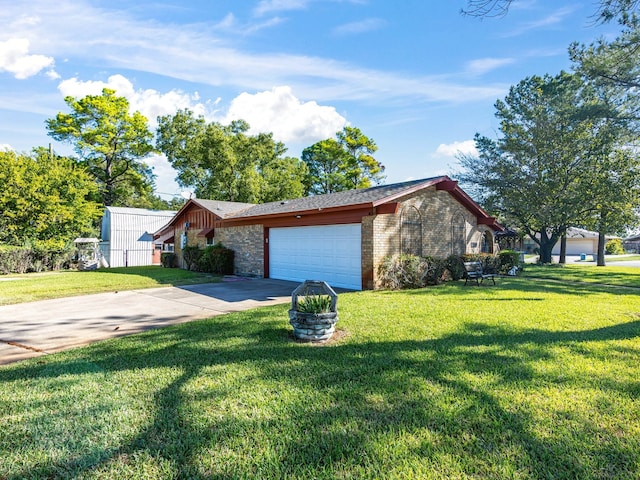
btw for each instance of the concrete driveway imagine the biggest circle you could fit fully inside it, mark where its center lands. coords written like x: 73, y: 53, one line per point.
x: 37, y: 328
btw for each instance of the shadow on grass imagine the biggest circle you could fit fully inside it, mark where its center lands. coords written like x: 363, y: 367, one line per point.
x: 345, y: 408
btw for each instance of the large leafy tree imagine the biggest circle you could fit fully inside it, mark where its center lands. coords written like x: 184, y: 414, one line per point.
x: 110, y: 142
x: 224, y: 162
x: 326, y: 161
x: 343, y: 163
x: 45, y: 199
x: 537, y: 175
x: 613, y: 188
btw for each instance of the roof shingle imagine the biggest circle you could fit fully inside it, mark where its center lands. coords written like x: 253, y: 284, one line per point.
x: 330, y: 200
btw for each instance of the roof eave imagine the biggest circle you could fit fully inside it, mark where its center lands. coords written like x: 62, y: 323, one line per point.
x: 293, y: 213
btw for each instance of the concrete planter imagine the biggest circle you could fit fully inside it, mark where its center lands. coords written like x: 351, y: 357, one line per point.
x: 313, y: 326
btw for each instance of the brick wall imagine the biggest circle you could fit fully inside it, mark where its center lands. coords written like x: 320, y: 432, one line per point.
x: 248, y: 244
x: 437, y: 210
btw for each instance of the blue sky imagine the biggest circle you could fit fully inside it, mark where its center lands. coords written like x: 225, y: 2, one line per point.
x: 414, y: 75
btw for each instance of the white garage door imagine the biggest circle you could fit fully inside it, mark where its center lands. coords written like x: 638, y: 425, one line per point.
x: 330, y: 253
x: 576, y: 246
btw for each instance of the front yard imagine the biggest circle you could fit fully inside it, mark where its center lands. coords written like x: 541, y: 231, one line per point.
x: 530, y: 379
x: 40, y: 286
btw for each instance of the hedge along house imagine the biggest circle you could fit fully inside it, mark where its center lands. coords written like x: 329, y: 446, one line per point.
x: 127, y: 235
x: 342, y: 237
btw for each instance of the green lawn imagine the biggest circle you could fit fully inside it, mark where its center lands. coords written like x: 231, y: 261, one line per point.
x: 610, y: 275
x: 622, y: 258
x: 40, y: 286
x: 529, y: 379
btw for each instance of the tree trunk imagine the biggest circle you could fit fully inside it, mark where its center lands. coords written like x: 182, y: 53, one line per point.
x: 563, y: 248
x: 601, y: 242
x: 545, y: 251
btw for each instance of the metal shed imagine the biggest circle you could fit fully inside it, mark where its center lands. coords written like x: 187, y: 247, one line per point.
x: 127, y: 235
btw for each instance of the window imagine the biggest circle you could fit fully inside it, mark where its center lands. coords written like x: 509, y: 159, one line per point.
x: 411, y: 231
x: 210, y: 241
x: 458, y: 235
x: 487, y: 243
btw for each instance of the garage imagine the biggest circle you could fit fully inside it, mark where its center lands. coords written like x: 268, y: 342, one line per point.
x: 330, y: 252
x: 576, y: 246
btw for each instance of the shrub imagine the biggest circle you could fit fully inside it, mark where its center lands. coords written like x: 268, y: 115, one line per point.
x: 51, y: 255
x: 14, y: 259
x: 191, y: 255
x: 435, y: 270
x: 169, y: 259
x: 508, y: 260
x: 490, y: 263
x: 614, y: 247
x: 455, y: 265
x: 217, y: 259
x: 403, y: 271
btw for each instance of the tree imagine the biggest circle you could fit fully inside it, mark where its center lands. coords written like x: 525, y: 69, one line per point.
x: 224, y: 162
x: 45, y: 199
x: 111, y: 144
x: 537, y: 174
x: 607, y: 10
x: 342, y: 164
x: 615, y: 194
x: 325, y: 160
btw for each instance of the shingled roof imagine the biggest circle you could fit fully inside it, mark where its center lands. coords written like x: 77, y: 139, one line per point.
x: 221, y: 208
x: 235, y: 212
x: 364, y: 196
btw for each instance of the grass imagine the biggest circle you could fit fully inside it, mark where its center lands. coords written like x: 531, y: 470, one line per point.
x: 622, y: 258
x: 609, y: 275
x: 40, y: 286
x: 528, y: 379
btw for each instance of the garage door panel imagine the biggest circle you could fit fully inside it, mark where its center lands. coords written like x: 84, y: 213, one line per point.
x: 330, y: 253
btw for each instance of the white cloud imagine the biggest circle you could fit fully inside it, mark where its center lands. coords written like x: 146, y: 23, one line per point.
x: 277, y: 110
x: 5, y: 147
x: 268, y: 6
x: 484, y: 65
x: 362, y: 26
x: 550, y: 20
x: 281, y: 112
x: 149, y: 102
x: 452, y: 150
x: 15, y: 59
x: 199, y: 53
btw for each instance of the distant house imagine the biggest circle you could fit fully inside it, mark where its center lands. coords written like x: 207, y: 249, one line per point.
x: 342, y: 237
x: 127, y: 235
x: 632, y: 244
x: 579, y: 241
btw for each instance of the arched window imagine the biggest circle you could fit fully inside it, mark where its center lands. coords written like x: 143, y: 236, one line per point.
x: 487, y: 243
x: 458, y: 235
x: 411, y: 231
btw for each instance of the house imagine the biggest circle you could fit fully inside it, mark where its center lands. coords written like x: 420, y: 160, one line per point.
x: 579, y: 241
x: 127, y: 235
x: 632, y: 244
x: 338, y: 237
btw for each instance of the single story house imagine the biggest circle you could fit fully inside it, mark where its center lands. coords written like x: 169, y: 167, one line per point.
x: 632, y: 244
x: 127, y: 235
x: 579, y: 241
x: 341, y: 237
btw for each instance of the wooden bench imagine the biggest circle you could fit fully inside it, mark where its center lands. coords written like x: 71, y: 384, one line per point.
x: 473, y: 271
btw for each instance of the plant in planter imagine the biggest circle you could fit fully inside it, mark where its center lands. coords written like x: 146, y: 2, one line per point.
x: 313, y: 313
